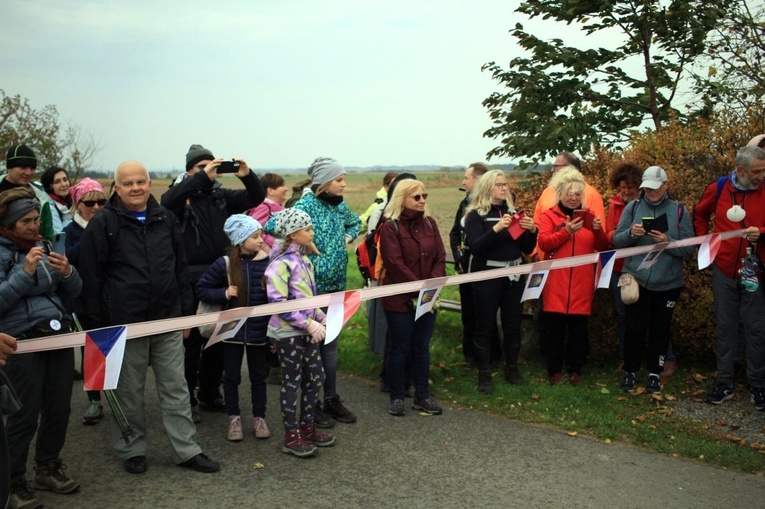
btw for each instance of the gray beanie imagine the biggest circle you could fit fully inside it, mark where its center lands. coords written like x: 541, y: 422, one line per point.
x: 325, y: 169
x: 239, y: 227
x: 195, y: 154
x: 18, y: 209
x: 289, y: 221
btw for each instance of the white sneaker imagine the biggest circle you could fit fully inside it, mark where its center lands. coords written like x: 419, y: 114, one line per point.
x: 261, y: 428
x: 235, y: 429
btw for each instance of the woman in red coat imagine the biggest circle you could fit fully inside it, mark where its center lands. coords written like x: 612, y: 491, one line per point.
x: 567, y: 295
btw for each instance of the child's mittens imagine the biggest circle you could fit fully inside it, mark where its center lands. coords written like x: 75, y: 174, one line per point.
x: 317, y: 331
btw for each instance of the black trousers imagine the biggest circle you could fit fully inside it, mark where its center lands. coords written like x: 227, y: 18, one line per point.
x: 559, y: 351
x: 503, y: 295
x: 203, y: 366
x: 652, y: 313
x: 467, y: 303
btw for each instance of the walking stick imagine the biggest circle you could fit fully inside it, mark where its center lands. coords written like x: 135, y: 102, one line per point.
x: 111, y: 398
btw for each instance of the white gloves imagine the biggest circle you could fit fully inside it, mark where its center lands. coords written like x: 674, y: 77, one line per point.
x: 317, y: 331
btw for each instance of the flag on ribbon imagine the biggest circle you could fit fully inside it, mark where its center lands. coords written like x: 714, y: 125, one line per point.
x: 708, y: 250
x: 224, y: 329
x: 341, y: 308
x: 427, y: 297
x: 650, y: 259
x: 605, y: 268
x: 535, y: 283
x: 104, y: 349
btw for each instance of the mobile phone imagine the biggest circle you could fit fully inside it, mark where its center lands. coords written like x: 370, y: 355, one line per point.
x: 231, y: 166
x: 59, y: 241
x: 586, y: 216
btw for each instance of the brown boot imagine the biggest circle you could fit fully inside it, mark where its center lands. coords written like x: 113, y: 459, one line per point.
x: 316, y: 437
x: 485, y: 385
x: 294, y: 443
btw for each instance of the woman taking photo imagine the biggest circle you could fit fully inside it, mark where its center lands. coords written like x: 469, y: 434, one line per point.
x: 660, y: 284
x: 568, y: 293
x: 31, y: 279
x: 89, y: 198
x: 411, y: 250
x: 487, y: 220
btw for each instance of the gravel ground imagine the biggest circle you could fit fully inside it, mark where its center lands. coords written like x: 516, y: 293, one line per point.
x: 735, y: 420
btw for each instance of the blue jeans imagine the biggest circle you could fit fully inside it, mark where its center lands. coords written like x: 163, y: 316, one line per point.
x: 407, y: 335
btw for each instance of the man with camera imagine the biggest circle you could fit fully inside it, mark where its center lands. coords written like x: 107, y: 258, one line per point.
x: 202, y: 205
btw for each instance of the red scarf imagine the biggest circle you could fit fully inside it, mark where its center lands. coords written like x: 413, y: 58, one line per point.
x: 24, y: 245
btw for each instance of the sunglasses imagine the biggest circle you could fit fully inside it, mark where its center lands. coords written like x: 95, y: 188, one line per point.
x: 423, y: 196
x: 93, y: 203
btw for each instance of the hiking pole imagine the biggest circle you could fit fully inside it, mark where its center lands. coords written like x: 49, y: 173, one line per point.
x: 111, y: 398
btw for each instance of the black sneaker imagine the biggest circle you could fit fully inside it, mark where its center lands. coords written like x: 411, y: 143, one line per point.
x: 427, y: 405
x: 214, y: 405
x: 653, y: 385
x: 334, y: 408
x: 135, y: 465
x: 201, y: 463
x: 322, y: 420
x: 721, y: 392
x: 396, y: 407
x: 628, y: 382
x: 758, y: 397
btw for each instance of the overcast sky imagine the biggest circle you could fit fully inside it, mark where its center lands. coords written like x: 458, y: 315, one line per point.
x: 278, y: 83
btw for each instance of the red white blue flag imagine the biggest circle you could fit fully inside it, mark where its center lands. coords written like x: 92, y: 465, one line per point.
x: 341, y: 308
x: 605, y: 268
x: 104, y: 349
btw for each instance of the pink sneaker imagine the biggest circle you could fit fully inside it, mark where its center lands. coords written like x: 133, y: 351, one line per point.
x: 261, y: 428
x: 235, y: 429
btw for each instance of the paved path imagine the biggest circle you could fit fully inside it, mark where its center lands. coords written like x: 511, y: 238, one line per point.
x: 460, y: 459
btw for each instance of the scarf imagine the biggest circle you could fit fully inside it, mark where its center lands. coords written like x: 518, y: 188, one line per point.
x: 24, y: 245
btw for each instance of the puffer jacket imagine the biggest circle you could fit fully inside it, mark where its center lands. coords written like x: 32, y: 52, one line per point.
x: 28, y: 301
x: 289, y: 276
x: 331, y: 224
x: 412, y: 250
x: 134, y: 272
x: 568, y: 290
x: 667, y: 272
x: 212, y: 286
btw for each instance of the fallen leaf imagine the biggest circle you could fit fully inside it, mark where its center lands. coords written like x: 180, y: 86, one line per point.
x: 732, y: 438
x: 536, y: 397
x: 608, y: 440
x: 258, y: 466
x: 670, y: 397
x: 448, y: 379
x: 572, y: 433
x: 720, y: 422
x: 657, y: 397
x: 605, y: 391
x: 734, y: 427
x: 638, y: 391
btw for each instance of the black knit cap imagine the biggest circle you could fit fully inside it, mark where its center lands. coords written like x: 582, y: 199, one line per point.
x: 20, y: 156
x: 197, y: 153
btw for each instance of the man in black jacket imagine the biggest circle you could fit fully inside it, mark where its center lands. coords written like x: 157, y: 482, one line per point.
x: 202, y: 205
x: 462, y: 256
x: 134, y: 270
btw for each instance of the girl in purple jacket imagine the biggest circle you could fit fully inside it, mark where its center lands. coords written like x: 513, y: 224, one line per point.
x: 296, y: 334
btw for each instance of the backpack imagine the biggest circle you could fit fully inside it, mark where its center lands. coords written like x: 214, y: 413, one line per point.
x: 370, y: 264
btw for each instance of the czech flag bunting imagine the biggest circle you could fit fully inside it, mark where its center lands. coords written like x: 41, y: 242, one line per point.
x: 104, y: 350
x: 605, y: 268
x: 341, y: 308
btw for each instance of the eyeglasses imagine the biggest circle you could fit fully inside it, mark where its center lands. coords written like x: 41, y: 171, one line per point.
x: 423, y: 196
x: 500, y: 184
x: 93, y: 203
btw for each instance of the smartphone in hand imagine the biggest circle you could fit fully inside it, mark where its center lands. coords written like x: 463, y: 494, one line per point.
x: 586, y: 216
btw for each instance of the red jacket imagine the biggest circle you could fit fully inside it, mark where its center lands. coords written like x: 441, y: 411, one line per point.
x: 570, y: 290
x: 728, y: 258
x: 616, y: 206
x: 412, y: 253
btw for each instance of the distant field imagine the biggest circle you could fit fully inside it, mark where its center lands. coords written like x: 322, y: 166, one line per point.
x: 442, y: 187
